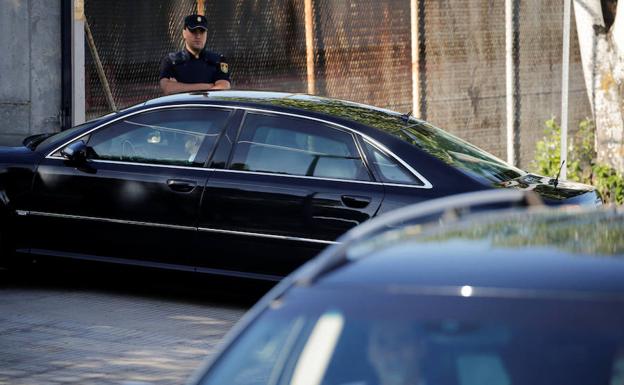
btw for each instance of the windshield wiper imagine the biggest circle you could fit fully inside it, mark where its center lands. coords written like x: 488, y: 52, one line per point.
x: 409, y: 134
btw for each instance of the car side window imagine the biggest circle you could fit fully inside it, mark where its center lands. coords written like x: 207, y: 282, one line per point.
x: 296, y: 146
x: 388, y: 168
x: 177, y: 136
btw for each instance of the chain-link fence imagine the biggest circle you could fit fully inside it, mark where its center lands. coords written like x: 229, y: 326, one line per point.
x: 130, y: 38
x: 362, y: 51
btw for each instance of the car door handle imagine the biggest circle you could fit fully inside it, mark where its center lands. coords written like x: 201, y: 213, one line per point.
x: 181, y: 185
x: 355, y: 201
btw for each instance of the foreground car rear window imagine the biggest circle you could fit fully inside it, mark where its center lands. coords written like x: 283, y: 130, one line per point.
x: 396, y: 340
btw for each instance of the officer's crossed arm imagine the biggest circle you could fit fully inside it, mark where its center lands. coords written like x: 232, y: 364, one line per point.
x: 222, y: 85
x: 171, y: 86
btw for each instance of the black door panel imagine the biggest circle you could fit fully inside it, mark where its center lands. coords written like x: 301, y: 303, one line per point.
x: 358, y: 202
x: 137, y: 196
x: 294, y: 207
x: 292, y: 187
x: 181, y: 185
x: 277, y: 221
x: 119, y: 210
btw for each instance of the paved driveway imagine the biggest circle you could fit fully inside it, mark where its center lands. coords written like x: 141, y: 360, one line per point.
x: 77, y: 332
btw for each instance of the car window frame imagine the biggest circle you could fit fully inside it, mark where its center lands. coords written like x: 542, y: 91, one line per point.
x: 232, y: 120
x: 352, y: 134
x: 378, y: 173
x: 228, y: 120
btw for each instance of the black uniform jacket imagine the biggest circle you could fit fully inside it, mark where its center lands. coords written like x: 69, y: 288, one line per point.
x: 185, y: 68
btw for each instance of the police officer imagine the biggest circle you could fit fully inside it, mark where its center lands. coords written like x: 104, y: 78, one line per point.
x: 194, y: 68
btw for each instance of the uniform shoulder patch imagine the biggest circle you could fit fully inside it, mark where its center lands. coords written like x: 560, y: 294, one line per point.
x: 224, y: 67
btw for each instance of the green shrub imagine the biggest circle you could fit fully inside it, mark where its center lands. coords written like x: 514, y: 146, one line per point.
x: 582, y: 166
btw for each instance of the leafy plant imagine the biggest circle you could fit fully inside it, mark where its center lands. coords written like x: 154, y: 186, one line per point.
x: 582, y: 165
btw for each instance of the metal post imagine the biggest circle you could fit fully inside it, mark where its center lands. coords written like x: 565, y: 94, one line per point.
x: 67, y: 19
x: 100, y: 68
x: 509, y: 79
x: 200, y: 7
x: 78, y: 63
x: 565, y: 67
x: 415, y: 78
x: 309, y: 34
x: 512, y: 75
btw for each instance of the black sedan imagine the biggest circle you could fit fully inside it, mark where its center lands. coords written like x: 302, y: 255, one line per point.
x: 247, y: 184
x: 514, y: 297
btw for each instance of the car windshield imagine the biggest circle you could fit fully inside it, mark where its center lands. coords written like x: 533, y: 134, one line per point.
x: 59, y: 137
x: 325, y: 337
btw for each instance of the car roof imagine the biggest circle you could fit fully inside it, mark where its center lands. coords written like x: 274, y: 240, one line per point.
x: 268, y: 98
x: 360, y: 113
x: 527, y: 252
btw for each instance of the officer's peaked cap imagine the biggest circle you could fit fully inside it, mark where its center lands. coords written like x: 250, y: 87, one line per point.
x: 195, y: 21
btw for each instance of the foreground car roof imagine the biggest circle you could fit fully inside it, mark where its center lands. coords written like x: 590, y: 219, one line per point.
x: 445, y: 245
x: 528, y: 253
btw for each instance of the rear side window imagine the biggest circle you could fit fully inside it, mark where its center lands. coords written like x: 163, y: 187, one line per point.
x: 294, y: 146
x: 388, y: 168
x: 180, y: 136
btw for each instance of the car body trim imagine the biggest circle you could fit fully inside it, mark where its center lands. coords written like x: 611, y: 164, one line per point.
x: 271, y: 236
x: 152, y: 264
x: 150, y: 164
x: 300, y: 176
x: 176, y: 227
x: 426, y: 183
x: 196, y: 168
x: 110, y: 220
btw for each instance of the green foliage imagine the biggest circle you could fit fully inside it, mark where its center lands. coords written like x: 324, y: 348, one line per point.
x: 582, y: 165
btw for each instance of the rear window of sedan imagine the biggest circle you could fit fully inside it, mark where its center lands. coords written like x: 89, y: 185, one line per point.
x: 446, y: 147
x: 456, y: 152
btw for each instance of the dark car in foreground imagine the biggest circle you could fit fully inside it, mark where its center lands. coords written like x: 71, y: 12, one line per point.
x: 247, y: 184
x: 521, y: 296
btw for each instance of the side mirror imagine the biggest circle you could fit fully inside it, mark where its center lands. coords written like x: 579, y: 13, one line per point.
x: 75, y: 152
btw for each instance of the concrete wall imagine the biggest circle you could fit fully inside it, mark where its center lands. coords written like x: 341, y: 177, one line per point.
x: 30, y: 68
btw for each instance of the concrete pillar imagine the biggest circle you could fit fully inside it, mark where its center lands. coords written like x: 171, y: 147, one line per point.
x: 30, y: 68
x: 14, y: 71
x: 45, y: 66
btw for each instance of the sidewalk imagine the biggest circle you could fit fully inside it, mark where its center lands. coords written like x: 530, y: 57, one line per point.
x: 66, y: 336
